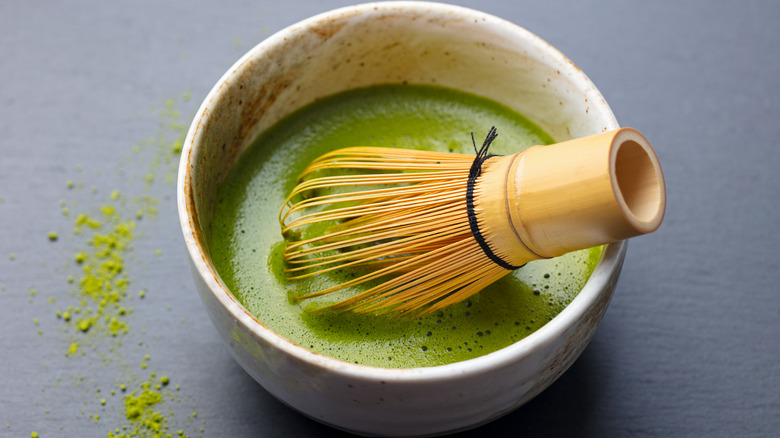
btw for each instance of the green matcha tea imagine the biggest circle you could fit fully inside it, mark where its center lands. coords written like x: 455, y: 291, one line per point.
x: 246, y: 243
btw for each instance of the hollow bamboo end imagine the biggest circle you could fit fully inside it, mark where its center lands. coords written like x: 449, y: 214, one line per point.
x: 580, y: 193
x: 637, y: 180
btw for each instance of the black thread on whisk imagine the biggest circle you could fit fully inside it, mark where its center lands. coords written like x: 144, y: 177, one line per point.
x: 474, y: 172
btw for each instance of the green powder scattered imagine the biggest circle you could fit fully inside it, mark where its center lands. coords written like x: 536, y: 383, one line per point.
x: 147, y: 206
x: 96, y: 317
x: 103, y: 283
x: 176, y: 146
x: 168, y: 143
x: 85, y: 324
x: 142, y: 411
x: 83, y: 219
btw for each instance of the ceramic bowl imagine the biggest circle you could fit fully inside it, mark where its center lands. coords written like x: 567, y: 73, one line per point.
x: 391, y: 42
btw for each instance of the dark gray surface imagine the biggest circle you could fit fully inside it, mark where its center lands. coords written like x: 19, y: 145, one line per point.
x: 689, y: 345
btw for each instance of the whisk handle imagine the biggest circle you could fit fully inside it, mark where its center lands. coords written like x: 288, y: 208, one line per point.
x: 585, y: 192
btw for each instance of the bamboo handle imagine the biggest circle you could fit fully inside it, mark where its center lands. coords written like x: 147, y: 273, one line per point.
x: 586, y: 192
x: 573, y: 195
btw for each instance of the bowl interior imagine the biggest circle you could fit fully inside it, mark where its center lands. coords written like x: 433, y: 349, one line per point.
x: 421, y: 43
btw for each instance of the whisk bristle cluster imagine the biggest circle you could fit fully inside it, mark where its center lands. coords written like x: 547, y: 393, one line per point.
x: 398, y: 219
x: 425, y: 230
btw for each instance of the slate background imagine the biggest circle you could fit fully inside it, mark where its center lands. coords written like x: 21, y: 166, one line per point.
x: 689, y: 345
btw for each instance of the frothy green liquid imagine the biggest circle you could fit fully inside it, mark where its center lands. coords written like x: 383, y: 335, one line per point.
x: 245, y: 240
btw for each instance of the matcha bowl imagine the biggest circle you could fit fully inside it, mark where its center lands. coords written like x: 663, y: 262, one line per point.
x: 372, y: 44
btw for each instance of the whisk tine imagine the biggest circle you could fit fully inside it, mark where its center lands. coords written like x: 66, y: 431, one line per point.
x: 437, y: 257
x: 429, y: 286
x: 409, y: 224
x: 422, y: 184
x: 426, y: 230
x: 384, y: 159
x: 379, y: 230
x: 403, y: 201
x: 397, y: 267
x: 397, y: 247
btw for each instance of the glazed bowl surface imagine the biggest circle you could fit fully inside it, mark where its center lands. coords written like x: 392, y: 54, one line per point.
x: 358, y: 46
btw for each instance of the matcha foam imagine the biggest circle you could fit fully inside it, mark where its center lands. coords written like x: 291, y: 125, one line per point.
x: 245, y: 241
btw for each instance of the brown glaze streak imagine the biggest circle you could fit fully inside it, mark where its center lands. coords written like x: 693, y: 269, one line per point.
x: 250, y: 109
x: 256, y: 107
x: 190, y: 192
x: 327, y: 28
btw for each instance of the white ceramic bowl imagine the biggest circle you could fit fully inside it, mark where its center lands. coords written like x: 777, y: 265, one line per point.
x: 357, y: 46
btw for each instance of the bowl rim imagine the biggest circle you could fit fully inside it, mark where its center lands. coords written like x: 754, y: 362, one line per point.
x: 610, y: 260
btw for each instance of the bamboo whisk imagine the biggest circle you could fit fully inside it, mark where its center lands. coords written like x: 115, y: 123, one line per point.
x: 430, y: 229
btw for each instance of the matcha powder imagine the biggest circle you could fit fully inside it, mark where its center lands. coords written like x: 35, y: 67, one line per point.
x: 103, y: 285
x: 142, y: 412
x: 95, y: 313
